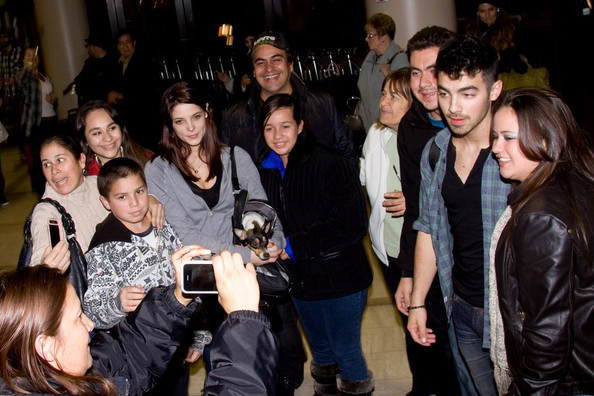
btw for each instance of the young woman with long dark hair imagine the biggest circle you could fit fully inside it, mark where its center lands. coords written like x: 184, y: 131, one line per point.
x: 543, y: 248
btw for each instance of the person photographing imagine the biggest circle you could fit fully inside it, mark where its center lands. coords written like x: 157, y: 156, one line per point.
x: 45, y: 344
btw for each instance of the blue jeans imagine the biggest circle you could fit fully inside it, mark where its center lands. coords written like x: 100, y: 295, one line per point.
x: 333, y: 328
x: 468, y: 326
x: 462, y: 375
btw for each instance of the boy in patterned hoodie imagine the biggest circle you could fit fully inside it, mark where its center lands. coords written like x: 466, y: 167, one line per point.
x: 127, y: 255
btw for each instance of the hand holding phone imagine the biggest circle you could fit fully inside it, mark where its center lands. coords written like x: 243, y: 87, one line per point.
x: 54, y: 232
x: 57, y: 257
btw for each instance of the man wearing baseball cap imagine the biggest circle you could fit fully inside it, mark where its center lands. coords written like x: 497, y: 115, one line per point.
x: 273, y: 70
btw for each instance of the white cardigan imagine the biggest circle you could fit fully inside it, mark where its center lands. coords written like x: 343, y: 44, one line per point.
x: 374, y: 168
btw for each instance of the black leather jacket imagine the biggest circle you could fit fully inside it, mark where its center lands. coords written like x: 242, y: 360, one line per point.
x: 240, y: 122
x: 545, y: 279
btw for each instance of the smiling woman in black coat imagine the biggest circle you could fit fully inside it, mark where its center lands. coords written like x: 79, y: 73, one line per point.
x: 544, y: 257
x: 320, y: 202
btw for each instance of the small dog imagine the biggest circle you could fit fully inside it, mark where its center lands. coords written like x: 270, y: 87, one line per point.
x: 258, y: 222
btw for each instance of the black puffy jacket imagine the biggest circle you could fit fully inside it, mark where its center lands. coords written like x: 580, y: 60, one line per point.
x: 545, y: 278
x: 321, y: 205
x: 240, y: 122
x: 136, y: 351
x: 244, y: 351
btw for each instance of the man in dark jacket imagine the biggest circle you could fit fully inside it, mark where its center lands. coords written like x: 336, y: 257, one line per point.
x: 273, y: 71
x: 133, y: 91
x: 93, y: 80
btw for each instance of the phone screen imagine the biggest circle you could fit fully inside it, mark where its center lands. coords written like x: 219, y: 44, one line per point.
x: 198, y: 277
x: 54, y: 232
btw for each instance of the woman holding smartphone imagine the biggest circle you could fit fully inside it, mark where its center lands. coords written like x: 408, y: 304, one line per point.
x: 63, y: 164
x: 45, y: 345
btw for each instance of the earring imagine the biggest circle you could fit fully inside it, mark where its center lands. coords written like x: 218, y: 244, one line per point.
x: 498, y: 10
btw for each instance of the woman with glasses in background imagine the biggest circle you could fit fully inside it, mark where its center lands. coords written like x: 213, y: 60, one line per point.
x: 383, y: 57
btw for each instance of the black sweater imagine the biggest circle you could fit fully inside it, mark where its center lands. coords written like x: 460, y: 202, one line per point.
x: 321, y: 205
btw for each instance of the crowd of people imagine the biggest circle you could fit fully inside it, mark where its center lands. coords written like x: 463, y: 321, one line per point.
x: 480, y: 217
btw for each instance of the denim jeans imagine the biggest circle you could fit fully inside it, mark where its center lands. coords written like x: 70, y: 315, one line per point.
x: 465, y: 383
x: 468, y: 326
x: 333, y: 328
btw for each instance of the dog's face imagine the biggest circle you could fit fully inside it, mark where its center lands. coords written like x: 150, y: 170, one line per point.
x: 255, y: 234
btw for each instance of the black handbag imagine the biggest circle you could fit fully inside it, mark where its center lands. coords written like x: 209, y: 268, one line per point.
x: 273, y: 278
x: 77, y: 271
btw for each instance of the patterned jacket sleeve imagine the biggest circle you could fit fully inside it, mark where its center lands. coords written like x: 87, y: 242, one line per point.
x: 102, y: 300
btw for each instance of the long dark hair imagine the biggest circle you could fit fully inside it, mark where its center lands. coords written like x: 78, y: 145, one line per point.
x: 131, y: 149
x: 500, y: 35
x: 549, y: 134
x: 31, y: 304
x: 177, y: 151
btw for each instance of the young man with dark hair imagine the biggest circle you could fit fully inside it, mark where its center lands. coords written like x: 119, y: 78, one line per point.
x: 461, y: 198
x: 432, y: 367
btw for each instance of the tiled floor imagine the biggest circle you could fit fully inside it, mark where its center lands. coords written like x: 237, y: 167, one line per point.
x: 383, y: 345
x: 382, y: 334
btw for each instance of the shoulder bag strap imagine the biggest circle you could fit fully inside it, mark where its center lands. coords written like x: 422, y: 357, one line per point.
x: 394, y: 56
x: 433, y: 155
x: 234, y: 179
x: 240, y: 195
x: 67, y: 221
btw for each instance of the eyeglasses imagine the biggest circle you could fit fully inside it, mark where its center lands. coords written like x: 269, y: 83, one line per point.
x: 370, y: 35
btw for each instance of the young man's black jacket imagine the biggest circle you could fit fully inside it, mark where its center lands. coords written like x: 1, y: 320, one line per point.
x: 414, y: 131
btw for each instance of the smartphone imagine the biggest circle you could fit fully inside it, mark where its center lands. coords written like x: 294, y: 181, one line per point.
x: 198, y: 277
x: 54, y: 231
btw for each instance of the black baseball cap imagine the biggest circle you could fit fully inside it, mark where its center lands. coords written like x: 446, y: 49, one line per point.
x: 98, y: 41
x: 276, y: 39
